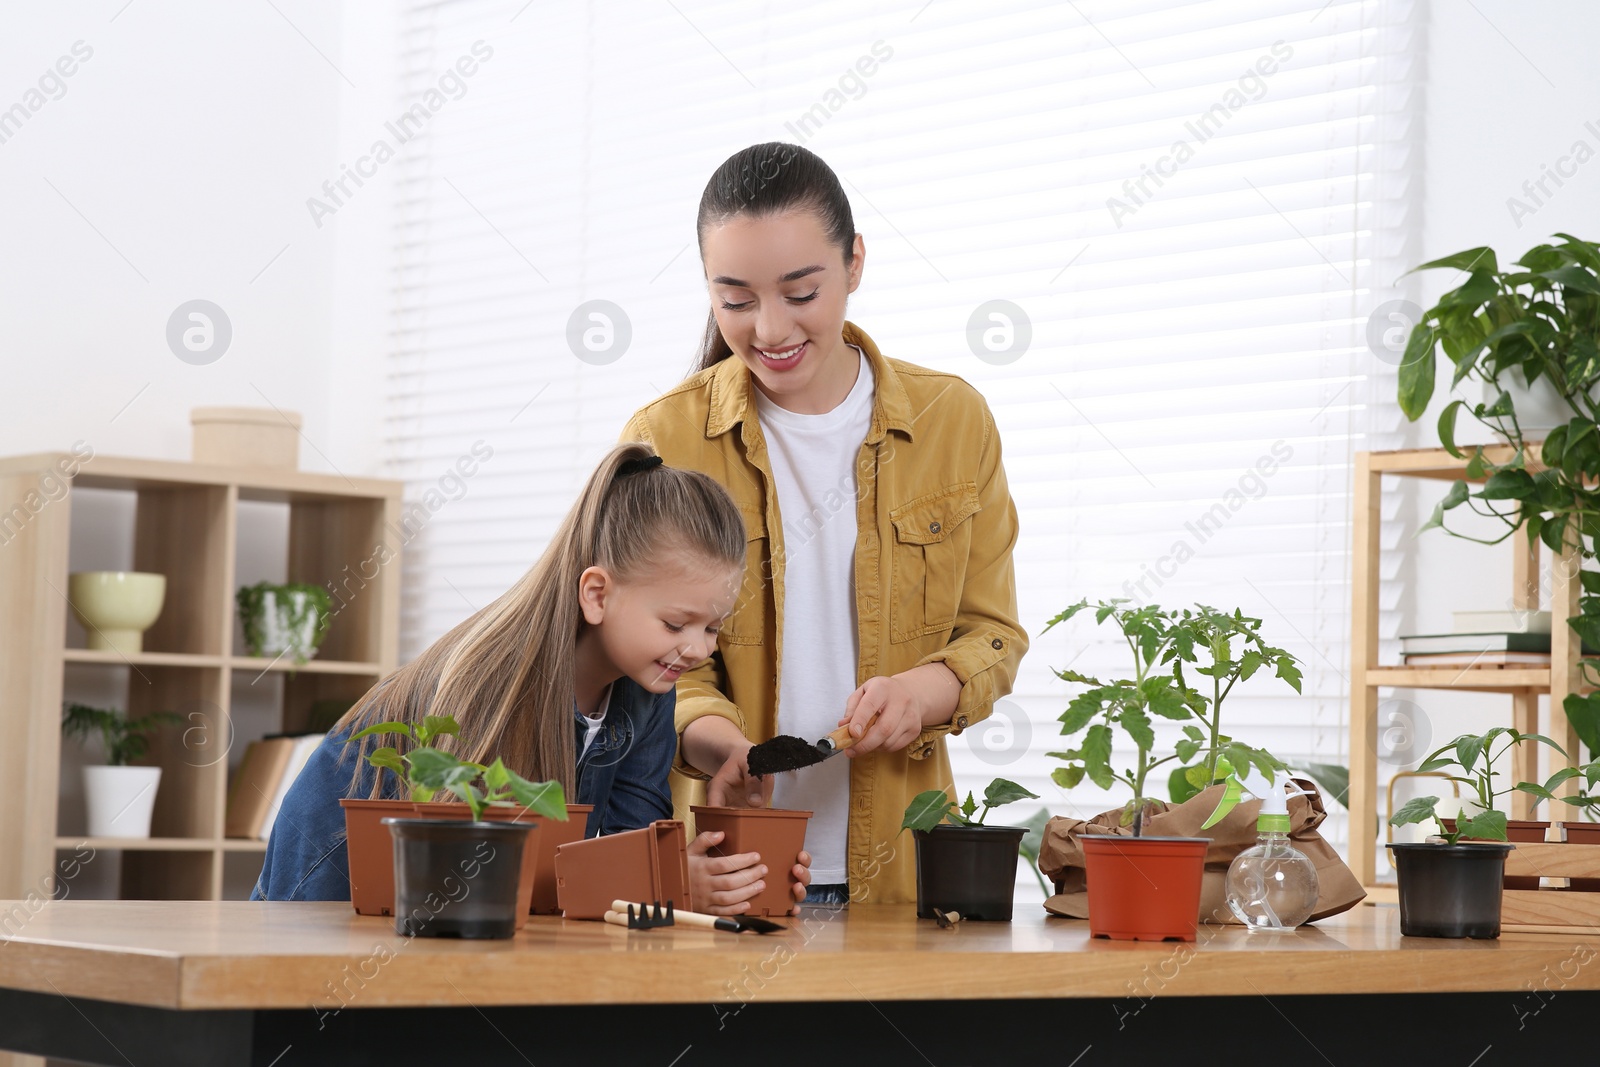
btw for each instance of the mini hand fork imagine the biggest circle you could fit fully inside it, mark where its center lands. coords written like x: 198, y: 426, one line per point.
x: 646, y: 918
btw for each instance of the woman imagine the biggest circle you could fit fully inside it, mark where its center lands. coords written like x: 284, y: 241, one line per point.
x: 878, y: 584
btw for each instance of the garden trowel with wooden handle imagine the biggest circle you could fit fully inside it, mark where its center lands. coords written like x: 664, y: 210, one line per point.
x: 785, y: 753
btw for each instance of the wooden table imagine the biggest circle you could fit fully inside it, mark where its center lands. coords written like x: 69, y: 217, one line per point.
x: 175, y: 983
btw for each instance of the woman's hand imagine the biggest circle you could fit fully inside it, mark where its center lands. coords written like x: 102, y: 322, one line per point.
x: 898, y: 720
x: 733, y: 786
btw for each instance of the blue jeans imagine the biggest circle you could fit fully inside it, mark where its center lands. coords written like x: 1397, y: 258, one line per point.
x: 834, y: 895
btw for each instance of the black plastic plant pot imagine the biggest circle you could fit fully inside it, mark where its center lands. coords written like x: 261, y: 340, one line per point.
x: 1450, y: 890
x: 967, y: 869
x: 456, y: 878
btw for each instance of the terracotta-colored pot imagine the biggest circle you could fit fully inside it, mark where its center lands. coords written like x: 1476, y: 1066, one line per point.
x: 1144, y: 888
x: 528, y: 870
x: 1583, y: 833
x: 778, y: 834
x: 646, y: 865
x: 552, y: 835
x: 1523, y: 830
x: 370, y: 850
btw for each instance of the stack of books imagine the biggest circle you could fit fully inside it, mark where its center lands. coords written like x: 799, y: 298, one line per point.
x: 1483, y: 638
x: 268, y: 769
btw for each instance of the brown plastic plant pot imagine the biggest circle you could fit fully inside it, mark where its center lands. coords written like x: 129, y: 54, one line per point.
x: 457, y: 877
x: 369, y: 848
x: 646, y: 865
x: 552, y: 835
x: 1580, y: 833
x: 527, y: 873
x: 1144, y: 888
x: 778, y: 834
x: 1517, y: 830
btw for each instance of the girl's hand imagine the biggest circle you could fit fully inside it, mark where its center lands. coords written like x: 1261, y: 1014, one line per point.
x: 899, y: 716
x: 723, y: 885
x: 802, y: 871
x: 733, y: 786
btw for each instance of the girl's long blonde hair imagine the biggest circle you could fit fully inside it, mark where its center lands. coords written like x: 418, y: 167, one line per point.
x: 506, y: 672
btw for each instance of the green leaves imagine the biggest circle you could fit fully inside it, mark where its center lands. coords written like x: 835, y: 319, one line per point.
x: 1417, y: 371
x: 1222, y: 648
x: 1507, y: 330
x: 1485, y: 826
x: 1584, y: 714
x: 1473, y: 259
x: 1334, y: 780
x: 401, y: 728
x: 927, y: 810
x: 125, y: 739
x: 1002, y: 791
x: 1415, y: 810
x: 428, y: 771
x: 1096, y: 753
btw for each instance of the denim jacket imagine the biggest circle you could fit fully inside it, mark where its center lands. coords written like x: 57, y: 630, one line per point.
x: 623, y: 774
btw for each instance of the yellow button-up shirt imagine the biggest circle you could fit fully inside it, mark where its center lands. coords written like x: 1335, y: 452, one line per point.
x: 933, y: 575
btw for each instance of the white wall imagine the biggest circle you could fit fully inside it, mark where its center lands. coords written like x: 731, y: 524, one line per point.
x: 189, y: 139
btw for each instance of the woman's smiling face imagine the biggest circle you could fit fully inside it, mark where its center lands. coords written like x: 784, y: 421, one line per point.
x: 778, y: 288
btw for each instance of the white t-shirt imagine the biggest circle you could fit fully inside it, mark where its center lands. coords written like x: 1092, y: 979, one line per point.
x: 592, y: 723
x: 814, y: 471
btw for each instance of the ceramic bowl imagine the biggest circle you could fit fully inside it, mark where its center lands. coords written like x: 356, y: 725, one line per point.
x: 116, y: 607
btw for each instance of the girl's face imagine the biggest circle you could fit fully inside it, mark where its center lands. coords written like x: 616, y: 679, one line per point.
x: 655, y: 627
x: 778, y: 288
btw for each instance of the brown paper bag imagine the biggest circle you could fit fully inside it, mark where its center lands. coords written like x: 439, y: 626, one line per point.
x: 1061, y: 858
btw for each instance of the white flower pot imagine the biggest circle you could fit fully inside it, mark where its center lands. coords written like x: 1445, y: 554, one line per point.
x: 287, y: 626
x: 120, y: 800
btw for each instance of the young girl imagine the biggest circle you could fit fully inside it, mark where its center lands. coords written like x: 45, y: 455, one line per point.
x: 878, y: 581
x: 567, y: 676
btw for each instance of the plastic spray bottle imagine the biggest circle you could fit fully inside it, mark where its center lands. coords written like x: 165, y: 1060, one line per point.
x: 1273, y: 885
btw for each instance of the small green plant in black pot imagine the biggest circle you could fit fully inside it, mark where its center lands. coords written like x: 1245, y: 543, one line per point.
x: 1450, y: 886
x: 964, y: 866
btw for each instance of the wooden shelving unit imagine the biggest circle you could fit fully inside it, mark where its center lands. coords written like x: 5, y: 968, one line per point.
x: 1524, y: 685
x: 186, y: 526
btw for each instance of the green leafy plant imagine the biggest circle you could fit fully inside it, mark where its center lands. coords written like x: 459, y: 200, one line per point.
x: 1475, y: 757
x: 934, y: 806
x: 1507, y: 330
x: 295, y: 605
x: 1226, y: 648
x: 125, y: 739
x: 1032, y: 843
x: 428, y: 771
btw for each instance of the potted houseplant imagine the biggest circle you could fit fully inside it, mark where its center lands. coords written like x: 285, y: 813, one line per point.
x: 963, y: 865
x: 491, y: 793
x: 1451, y: 887
x: 1521, y: 333
x: 281, y: 620
x: 778, y: 834
x: 120, y: 797
x: 1142, y: 887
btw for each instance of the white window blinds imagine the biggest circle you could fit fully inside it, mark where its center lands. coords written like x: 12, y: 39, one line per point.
x: 1194, y: 205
